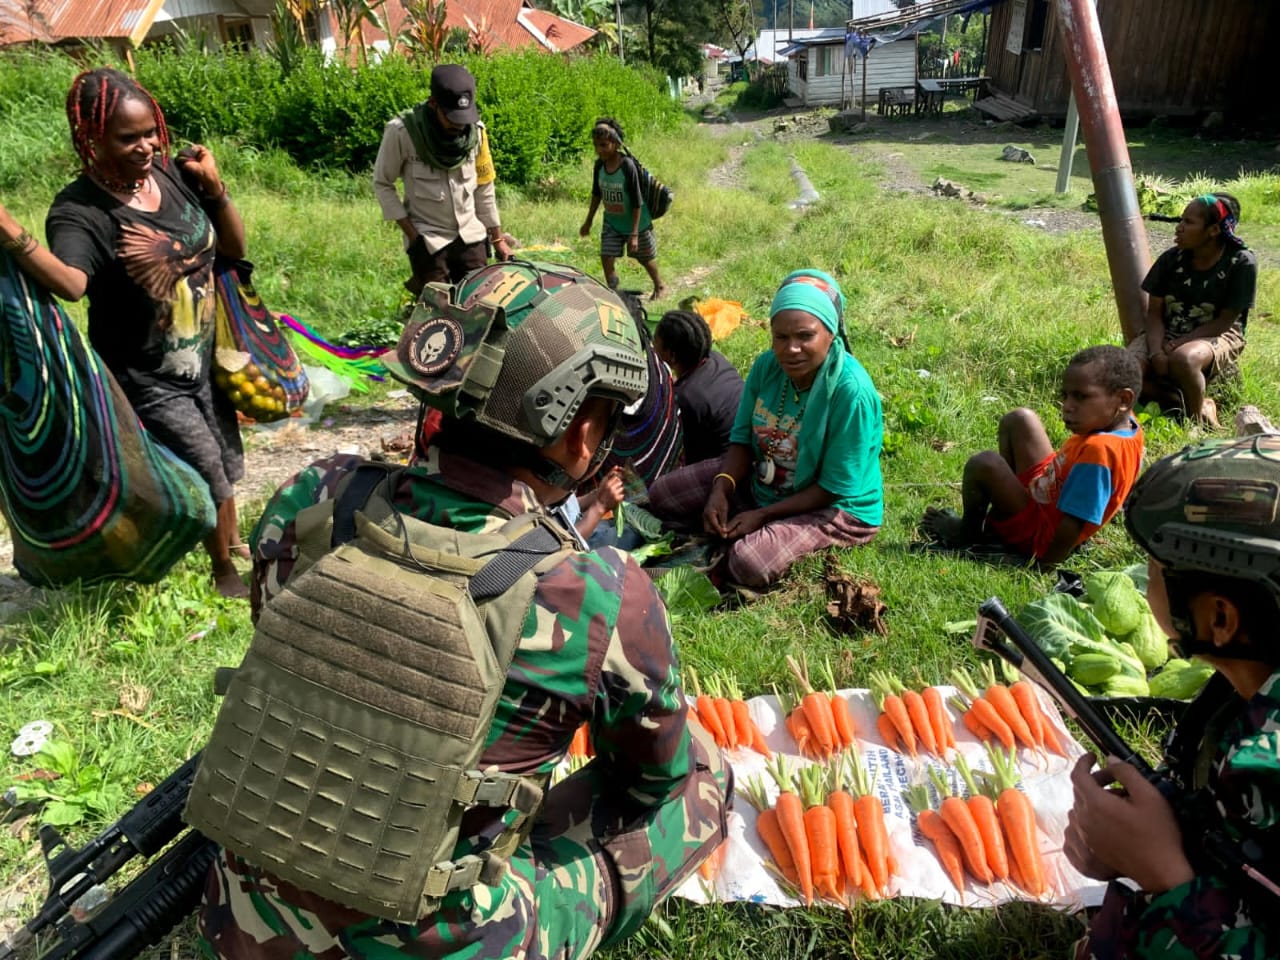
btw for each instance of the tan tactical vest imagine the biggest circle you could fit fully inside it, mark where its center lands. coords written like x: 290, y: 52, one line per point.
x: 345, y: 752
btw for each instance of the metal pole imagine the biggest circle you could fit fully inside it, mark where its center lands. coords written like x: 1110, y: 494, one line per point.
x: 1069, y: 131
x: 1068, y: 154
x: 1123, y: 232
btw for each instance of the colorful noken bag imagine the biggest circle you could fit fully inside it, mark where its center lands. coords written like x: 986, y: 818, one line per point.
x: 253, y: 363
x: 88, y: 495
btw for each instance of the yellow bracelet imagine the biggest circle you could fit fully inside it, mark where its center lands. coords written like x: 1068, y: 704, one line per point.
x: 733, y: 484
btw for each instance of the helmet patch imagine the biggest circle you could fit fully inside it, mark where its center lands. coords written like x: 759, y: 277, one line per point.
x: 1216, y: 500
x: 435, y: 346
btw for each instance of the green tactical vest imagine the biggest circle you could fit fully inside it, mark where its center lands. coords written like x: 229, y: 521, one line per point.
x: 345, y: 752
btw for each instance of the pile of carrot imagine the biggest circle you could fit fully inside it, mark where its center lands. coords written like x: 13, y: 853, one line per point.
x: 909, y: 719
x: 818, y: 720
x: 825, y: 839
x: 991, y: 839
x: 1010, y: 715
x: 721, y: 709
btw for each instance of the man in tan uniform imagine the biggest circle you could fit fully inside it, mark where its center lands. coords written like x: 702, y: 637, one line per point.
x: 441, y: 151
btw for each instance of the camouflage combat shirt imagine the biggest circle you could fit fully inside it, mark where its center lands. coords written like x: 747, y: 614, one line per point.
x: 596, y: 647
x: 1205, y: 918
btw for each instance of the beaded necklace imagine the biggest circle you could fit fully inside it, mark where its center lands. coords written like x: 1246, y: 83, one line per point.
x: 767, y: 469
x: 128, y: 188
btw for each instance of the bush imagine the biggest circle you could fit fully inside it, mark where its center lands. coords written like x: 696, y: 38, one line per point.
x: 538, y: 108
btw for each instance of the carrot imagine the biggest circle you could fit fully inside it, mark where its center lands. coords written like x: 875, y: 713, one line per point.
x: 817, y: 711
x: 706, y: 710
x: 919, y: 715
x: 798, y: 727
x: 725, y: 713
x: 998, y: 695
x: 955, y: 814
x: 820, y: 828
x: 934, y: 829
x: 882, y: 685
x: 888, y: 732
x: 1024, y: 695
x: 1051, y: 739
x: 840, y: 714
x: 748, y: 732
x: 983, y: 711
x: 938, y: 718
x: 841, y: 803
x: 770, y: 832
x: 873, y: 835
x: 791, y: 822
x: 580, y: 745
x: 709, y: 868
x: 970, y: 719
x: 988, y: 824
x: 1018, y: 819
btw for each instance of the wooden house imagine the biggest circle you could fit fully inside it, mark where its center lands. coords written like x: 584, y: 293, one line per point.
x: 1167, y: 57
x: 819, y: 73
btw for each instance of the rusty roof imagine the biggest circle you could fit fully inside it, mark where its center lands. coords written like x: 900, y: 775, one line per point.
x: 560, y: 33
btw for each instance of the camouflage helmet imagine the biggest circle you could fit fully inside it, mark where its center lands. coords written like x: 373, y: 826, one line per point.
x: 518, y: 346
x: 1212, y: 509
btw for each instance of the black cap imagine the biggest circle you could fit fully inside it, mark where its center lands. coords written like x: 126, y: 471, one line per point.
x: 454, y: 91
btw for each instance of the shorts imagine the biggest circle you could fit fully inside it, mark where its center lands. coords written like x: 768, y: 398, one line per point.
x: 1227, y: 348
x: 199, y: 428
x: 614, y: 244
x: 1031, y: 529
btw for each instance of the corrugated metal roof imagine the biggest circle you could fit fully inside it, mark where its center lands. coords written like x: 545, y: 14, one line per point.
x: 562, y: 34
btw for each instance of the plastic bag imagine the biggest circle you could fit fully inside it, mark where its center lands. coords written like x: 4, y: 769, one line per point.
x: 326, y: 387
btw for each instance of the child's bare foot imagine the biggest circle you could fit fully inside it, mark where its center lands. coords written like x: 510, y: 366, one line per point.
x: 231, y: 586
x: 943, y: 525
x: 659, y: 293
x: 1209, y: 412
x: 241, y: 551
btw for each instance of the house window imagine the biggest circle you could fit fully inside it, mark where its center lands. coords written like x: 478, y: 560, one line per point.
x: 802, y: 66
x: 827, y: 62
x: 1037, y: 18
x: 237, y: 34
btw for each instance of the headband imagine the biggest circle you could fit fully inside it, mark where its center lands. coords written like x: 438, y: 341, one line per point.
x: 1225, y: 218
x: 815, y: 293
x: 608, y: 130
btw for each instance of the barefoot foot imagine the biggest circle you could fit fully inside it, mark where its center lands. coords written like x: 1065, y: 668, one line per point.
x: 659, y: 293
x: 943, y: 525
x: 1209, y: 412
x: 231, y: 586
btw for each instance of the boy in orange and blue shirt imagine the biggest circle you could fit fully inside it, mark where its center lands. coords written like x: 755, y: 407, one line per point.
x: 1044, y: 503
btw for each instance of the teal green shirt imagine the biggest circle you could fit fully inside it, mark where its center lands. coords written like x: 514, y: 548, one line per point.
x: 619, y: 194
x: 769, y: 420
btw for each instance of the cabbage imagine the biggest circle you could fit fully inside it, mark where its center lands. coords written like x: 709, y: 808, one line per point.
x: 1148, y: 640
x: 1116, y: 601
x: 1059, y: 622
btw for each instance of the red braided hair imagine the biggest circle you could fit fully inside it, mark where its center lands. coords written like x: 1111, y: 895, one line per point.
x: 92, y: 102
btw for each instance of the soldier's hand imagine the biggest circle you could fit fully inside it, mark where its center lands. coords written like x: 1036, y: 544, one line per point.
x: 1131, y: 832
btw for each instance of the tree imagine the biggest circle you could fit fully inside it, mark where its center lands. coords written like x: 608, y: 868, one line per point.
x: 424, y: 32
x: 739, y: 20
x: 351, y: 16
x: 674, y: 32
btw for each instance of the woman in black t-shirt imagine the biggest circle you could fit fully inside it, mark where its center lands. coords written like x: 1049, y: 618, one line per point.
x: 138, y: 238
x: 708, y: 387
x: 1200, y: 292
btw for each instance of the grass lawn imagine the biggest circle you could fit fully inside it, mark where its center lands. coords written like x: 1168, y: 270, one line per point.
x: 958, y: 313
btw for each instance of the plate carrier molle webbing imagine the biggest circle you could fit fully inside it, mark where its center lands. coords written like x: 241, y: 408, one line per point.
x: 345, y: 753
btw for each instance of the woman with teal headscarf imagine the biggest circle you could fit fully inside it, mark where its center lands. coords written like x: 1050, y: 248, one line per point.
x: 1199, y: 295
x: 802, y: 471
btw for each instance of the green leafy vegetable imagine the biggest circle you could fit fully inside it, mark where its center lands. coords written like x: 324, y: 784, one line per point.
x: 1116, y: 601
x: 1060, y: 621
x: 1148, y: 640
x: 687, y: 591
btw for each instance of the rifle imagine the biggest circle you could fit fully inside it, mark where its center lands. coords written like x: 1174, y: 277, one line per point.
x: 1236, y: 861
x: 145, y: 909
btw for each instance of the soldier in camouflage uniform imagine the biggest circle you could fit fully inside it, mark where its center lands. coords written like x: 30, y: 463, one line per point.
x: 627, y: 829
x: 1208, y: 518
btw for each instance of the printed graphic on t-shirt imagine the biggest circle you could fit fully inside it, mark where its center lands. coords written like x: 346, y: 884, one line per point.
x: 179, y: 279
x: 777, y: 443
